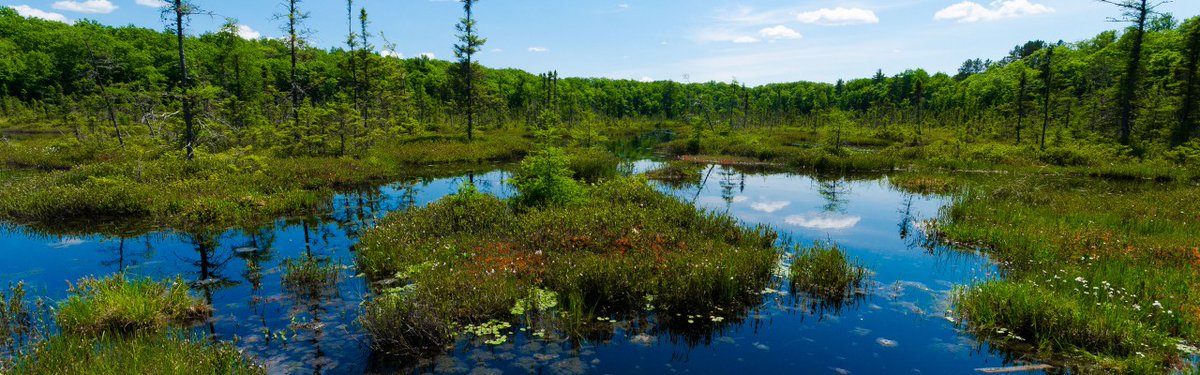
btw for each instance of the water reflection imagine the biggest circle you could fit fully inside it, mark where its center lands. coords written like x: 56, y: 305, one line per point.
x: 898, y: 326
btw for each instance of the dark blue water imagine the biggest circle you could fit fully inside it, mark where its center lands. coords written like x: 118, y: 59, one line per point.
x: 899, y: 327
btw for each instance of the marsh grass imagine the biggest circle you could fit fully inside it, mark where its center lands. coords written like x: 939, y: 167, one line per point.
x: 114, y: 326
x: 435, y: 149
x: 169, y: 352
x: 875, y: 149
x: 471, y: 258
x: 120, y: 305
x: 22, y: 323
x: 311, y: 276
x: 677, y: 173
x: 824, y: 273
x: 592, y: 164
x: 238, y: 187
x: 1015, y: 313
x: 924, y: 183
x: 1094, y: 270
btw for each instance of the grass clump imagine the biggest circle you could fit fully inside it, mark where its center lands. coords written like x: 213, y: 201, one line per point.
x: 310, y: 275
x: 471, y: 258
x: 592, y: 164
x: 823, y: 272
x: 116, y: 304
x: 116, y: 326
x: 171, y: 352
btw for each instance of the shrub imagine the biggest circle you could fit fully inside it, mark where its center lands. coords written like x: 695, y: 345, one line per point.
x: 545, y: 178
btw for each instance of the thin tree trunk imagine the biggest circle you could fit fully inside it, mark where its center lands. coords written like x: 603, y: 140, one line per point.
x: 189, y: 132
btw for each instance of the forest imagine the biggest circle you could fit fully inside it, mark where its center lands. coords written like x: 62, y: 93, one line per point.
x: 1063, y: 174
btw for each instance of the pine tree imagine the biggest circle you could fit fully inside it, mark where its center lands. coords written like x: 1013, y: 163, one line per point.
x: 470, y: 43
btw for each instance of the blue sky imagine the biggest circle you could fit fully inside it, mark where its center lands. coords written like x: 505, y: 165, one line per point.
x: 754, y: 41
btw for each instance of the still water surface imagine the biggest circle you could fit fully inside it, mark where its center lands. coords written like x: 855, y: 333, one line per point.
x: 900, y: 327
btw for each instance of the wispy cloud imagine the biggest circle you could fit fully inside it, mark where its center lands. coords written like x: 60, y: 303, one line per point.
x: 769, y: 207
x: 390, y: 53
x: 88, y: 6
x: 778, y: 32
x: 538, y: 49
x: 970, y: 11
x: 838, y: 16
x: 31, y: 12
x: 820, y: 221
x: 428, y: 55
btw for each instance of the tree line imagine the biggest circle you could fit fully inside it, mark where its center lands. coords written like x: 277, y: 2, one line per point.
x: 1135, y: 87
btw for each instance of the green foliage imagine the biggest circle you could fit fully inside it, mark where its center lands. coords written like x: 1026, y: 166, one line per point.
x: 469, y: 259
x: 118, y: 305
x: 545, y: 178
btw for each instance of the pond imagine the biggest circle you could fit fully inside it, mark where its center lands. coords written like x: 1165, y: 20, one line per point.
x: 900, y: 326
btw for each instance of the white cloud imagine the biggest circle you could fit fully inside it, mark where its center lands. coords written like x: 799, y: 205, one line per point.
x: 740, y: 199
x: 31, y: 12
x: 497, y: 50
x: 248, y: 33
x: 969, y: 11
x: 66, y: 242
x: 152, y: 3
x: 538, y: 49
x: 646, y: 79
x: 88, y: 6
x: 390, y: 53
x: 428, y: 55
x: 779, y: 32
x: 745, y: 39
x: 770, y: 207
x: 826, y: 222
x: 838, y: 16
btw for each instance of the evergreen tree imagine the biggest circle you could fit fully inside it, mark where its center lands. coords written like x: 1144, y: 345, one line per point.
x: 469, y: 44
